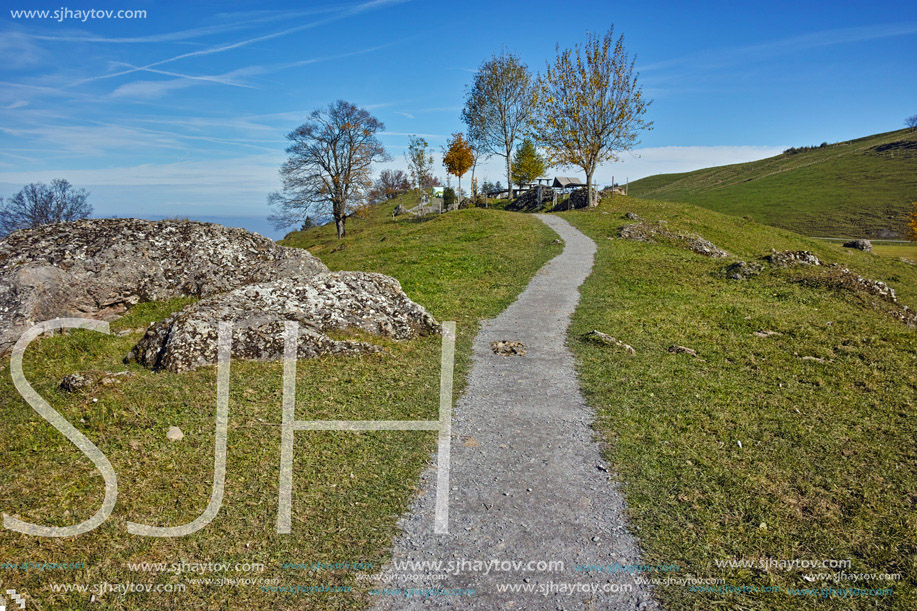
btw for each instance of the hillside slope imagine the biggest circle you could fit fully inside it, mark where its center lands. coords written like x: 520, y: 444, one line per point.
x: 858, y: 188
x: 788, y: 435
x: 348, y: 488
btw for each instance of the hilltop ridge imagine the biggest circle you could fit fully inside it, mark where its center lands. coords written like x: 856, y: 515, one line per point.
x: 857, y: 188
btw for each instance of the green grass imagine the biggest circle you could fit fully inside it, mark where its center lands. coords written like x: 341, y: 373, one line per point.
x: 349, y: 488
x: 859, y: 188
x: 898, y: 250
x: 827, y: 467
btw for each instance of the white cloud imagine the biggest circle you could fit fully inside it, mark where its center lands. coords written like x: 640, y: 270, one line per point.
x: 353, y: 10
x: 237, y: 186
x: 18, y: 51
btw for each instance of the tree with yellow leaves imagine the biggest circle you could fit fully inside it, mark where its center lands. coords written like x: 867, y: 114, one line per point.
x: 458, y: 158
x: 912, y: 223
x: 589, y: 106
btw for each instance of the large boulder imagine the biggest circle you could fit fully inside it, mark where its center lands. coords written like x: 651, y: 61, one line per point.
x: 331, y: 301
x: 97, y: 268
x: 864, y: 245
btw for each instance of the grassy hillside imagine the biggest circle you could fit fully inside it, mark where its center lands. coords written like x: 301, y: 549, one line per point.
x: 858, y: 188
x: 789, y: 436
x: 349, y: 488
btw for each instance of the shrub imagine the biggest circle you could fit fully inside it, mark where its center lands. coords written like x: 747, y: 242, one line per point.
x: 448, y: 198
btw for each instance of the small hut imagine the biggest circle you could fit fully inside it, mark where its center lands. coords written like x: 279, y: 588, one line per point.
x: 567, y: 182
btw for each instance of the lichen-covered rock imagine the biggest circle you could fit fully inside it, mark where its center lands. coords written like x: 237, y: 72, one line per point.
x: 97, y: 268
x: 324, y: 302
x: 789, y: 258
x: 75, y: 382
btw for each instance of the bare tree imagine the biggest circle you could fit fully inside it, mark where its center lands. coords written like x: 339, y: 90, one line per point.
x: 590, y: 107
x: 911, y: 122
x: 389, y: 185
x: 331, y: 158
x: 41, y: 204
x: 499, y: 106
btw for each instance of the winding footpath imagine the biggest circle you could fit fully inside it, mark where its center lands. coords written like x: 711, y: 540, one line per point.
x: 528, y: 483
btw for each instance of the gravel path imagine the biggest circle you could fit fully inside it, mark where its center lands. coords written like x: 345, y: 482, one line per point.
x: 527, y: 480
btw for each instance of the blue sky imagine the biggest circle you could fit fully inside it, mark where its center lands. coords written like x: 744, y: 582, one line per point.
x: 183, y: 112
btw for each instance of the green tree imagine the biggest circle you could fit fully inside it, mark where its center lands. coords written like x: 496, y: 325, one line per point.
x: 448, y: 198
x: 420, y: 163
x: 590, y: 107
x: 528, y: 163
x: 499, y: 106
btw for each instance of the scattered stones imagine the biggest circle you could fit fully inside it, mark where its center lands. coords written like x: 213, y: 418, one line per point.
x: 682, y: 350
x: 842, y: 278
x: 632, y: 216
x: 399, y: 210
x: 646, y: 232
x: 99, y: 267
x: 508, y: 348
x: 557, y: 242
x: 864, y: 245
x: 740, y: 270
x: 906, y: 315
x: 368, y: 302
x: 174, y: 434
x: 788, y: 258
x: 604, y: 338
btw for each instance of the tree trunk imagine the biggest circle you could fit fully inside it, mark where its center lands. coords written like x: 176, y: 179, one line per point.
x: 592, y: 201
x: 339, y: 222
x: 509, y: 173
x: 458, y: 200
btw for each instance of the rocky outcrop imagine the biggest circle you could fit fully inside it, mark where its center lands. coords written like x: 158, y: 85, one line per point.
x: 788, y: 258
x: 320, y: 303
x: 97, y: 268
x: 841, y: 278
x: 646, y: 232
x: 740, y: 270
